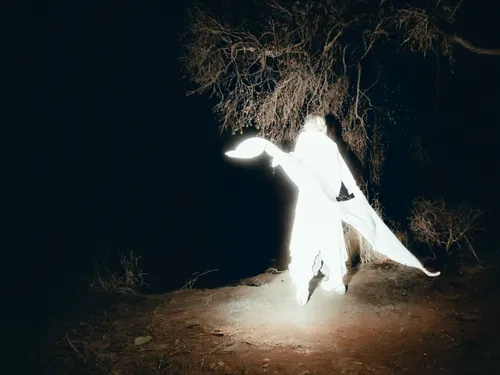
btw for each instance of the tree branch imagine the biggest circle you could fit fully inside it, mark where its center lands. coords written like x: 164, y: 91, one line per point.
x: 478, y: 50
x: 452, y: 15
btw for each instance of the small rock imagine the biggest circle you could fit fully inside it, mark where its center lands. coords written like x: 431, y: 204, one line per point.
x: 218, y: 332
x: 232, y: 347
x: 193, y: 323
x: 141, y: 340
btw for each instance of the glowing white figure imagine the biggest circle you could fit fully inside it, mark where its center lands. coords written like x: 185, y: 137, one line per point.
x: 317, y: 234
x: 318, y: 170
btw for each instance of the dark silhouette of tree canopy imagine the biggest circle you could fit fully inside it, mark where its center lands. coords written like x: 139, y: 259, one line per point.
x: 271, y: 65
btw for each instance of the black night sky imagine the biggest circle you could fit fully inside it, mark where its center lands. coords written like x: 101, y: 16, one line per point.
x: 119, y: 157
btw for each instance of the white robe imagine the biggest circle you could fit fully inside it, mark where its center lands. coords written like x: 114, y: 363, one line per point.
x: 317, y: 233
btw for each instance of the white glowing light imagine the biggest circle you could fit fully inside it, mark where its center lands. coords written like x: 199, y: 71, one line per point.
x: 318, y: 169
x: 249, y: 148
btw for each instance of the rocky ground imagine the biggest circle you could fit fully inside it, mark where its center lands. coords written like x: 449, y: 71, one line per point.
x: 392, y: 320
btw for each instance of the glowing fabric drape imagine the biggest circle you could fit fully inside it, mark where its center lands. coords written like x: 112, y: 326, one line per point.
x: 317, y: 168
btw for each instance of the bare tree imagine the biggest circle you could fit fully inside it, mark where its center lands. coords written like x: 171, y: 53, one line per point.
x: 270, y: 66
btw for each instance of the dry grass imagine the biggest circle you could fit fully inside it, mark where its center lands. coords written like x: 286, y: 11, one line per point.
x: 194, y: 278
x: 357, y: 245
x: 129, y: 279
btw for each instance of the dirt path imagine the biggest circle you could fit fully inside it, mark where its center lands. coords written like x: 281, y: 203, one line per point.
x: 392, y: 320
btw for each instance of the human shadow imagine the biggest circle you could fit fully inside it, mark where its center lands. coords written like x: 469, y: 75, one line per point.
x: 353, y: 265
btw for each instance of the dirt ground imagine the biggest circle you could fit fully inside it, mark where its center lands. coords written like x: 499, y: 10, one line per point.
x: 392, y: 320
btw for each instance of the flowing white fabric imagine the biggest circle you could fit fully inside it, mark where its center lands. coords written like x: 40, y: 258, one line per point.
x: 318, y: 169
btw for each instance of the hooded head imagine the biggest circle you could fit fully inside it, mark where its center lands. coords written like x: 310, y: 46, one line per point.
x: 315, y: 123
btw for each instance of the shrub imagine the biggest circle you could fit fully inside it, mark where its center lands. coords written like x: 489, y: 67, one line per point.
x: 438, y: 226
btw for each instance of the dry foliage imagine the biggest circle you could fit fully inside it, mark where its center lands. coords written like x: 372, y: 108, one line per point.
x: 129, y: 279
x: 436, y: 225
x: 271, y: 65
